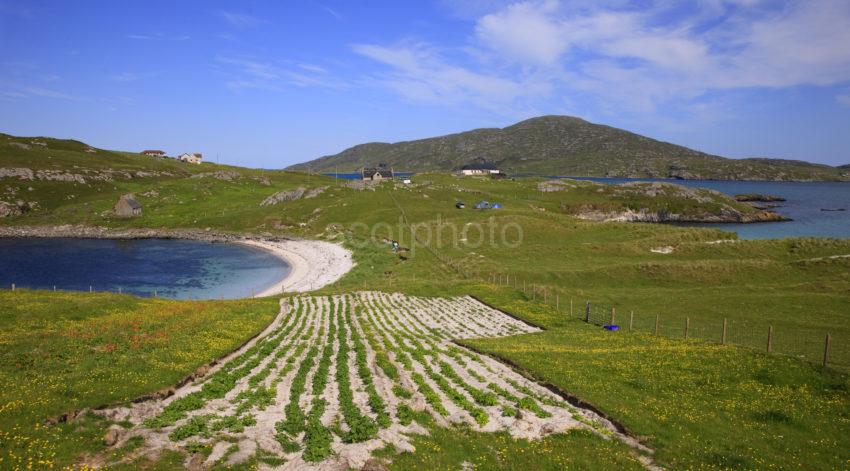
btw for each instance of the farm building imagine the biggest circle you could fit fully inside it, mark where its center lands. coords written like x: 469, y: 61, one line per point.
x: 194, y: 158
x: 376, y: 173
x: 128, y: 207
x: 479, y: 167
x: 154, y: 153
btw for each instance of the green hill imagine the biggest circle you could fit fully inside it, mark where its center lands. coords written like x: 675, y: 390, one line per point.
x: 564, y: 145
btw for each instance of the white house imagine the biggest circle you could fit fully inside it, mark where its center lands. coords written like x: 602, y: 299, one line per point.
x: 191, y: 158
x: 480, y: 167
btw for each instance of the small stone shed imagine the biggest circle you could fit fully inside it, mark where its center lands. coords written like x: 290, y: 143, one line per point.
x: 128, y: 207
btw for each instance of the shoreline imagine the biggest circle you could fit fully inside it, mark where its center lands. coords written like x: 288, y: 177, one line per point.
x: 313, y: 263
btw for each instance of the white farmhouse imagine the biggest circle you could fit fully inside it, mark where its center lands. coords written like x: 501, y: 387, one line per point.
x: 194, y: 158
x: 479, y: 167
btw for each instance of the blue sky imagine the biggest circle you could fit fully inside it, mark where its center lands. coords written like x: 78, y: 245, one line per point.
x: 269, y: 84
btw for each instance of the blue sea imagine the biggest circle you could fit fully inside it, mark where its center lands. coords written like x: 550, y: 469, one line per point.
x: 804, y: 204
x: 177, y: 269
x: 356, y: 175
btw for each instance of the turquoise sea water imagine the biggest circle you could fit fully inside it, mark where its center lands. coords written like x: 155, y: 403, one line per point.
x: 178, y: 269
x: 804, y: 204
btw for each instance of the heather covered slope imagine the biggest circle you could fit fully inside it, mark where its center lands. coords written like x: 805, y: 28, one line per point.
x: 564, y: 145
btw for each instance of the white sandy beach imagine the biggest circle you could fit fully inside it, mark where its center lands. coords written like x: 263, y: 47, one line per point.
x: 313, y: 264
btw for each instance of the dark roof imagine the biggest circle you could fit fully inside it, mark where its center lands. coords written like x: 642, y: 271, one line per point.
x: 131, y: 202
x: 383, y: 172
x: 153, y: 152
x: 480, y: 166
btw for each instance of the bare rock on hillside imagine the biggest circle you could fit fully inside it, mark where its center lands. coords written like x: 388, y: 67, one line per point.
x: 263, y: 180
x: 17, y: 208
x: 281, y: 196
x: 8, y: 209
x: 314, y: 192
x: 361, y: 184
x: 60, y: 176
x: 224, y: 175
x: 17, y: 172
x: 20, y: 145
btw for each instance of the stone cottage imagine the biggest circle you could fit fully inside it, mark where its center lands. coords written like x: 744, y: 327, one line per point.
x: 128, y: 207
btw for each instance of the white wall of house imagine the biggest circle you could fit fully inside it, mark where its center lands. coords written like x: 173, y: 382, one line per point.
x: 190, y: 158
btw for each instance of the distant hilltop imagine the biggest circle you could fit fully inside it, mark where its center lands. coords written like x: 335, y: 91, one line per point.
x: 565, y: 145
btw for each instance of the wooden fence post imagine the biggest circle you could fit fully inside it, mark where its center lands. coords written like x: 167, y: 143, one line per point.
x: 613, y: 316
x: 723, y: 337
x: 631, y: 319
x: 687, y: 326
x: 826, y: 350
x: 54, y: 288
x: 557, y: 302
x: 91, y: 289
x: 571, y: 307
x: 13, y: 287
x: 587, y: 311
x: 656, y: 325
x: 769, y: 339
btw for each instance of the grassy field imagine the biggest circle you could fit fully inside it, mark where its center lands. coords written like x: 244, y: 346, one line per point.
x: 62, y: 352
x: 701, y: 405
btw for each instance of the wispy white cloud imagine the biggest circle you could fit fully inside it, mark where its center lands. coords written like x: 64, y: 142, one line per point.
x: 636, y: 58
x: 330, y: 11
x: 422, y: 74
x: 240, y: 20
x: 312, y: 68
x: 249, y: 73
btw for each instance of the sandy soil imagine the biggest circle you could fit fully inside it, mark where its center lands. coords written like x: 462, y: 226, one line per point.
x: 422, y: 330
x: 313, y: 263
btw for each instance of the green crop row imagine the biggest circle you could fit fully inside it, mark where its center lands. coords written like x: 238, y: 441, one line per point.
x: 361, y: 428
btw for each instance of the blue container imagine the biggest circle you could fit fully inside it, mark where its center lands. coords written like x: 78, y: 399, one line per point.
x: 611, y: 327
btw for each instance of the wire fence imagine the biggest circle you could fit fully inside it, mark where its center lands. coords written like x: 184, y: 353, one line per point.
x: 809, y: 344
x: 816, y: 346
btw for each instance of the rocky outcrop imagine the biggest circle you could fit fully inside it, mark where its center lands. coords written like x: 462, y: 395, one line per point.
x: 80, y: 176
x: 281, y: 196
x: 20, y: 173
x: 726, y: 214
x: 758, y: 197
x: 224, y: 175
x: 314, y: 192
x: 17, y: 208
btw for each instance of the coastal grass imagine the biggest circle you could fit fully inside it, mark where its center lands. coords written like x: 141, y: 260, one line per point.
x: 463, y: 448
x: 63, y: 352
x: 699, y: 405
